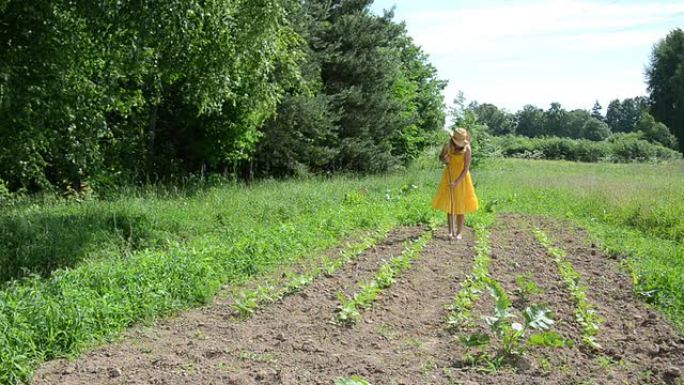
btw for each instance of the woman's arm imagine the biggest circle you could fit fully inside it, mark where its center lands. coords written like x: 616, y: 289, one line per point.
x: 466, y: 167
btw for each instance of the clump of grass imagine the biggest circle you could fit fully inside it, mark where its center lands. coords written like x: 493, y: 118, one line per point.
x: 585, y: 313
x: 348, y: 311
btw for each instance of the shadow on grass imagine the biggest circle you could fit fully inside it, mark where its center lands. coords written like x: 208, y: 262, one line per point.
x: 38, y: 244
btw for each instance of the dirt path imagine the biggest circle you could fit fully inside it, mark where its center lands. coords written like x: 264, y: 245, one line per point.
x: 403, y: 339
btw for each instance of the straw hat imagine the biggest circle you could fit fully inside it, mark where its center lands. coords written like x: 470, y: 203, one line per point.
x: 460, y: 137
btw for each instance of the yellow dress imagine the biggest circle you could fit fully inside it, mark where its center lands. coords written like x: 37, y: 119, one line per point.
x: 465, y: 200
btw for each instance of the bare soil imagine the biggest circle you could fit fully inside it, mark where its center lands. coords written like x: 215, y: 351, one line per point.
x: 404, y: 338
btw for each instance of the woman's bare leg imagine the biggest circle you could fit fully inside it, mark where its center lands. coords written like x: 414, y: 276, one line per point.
x: 461, y: 220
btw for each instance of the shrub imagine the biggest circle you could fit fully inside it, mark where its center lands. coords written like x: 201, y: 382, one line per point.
x: 618, y: 148
x: 5, y: 195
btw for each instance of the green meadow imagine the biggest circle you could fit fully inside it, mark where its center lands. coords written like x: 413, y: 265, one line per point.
x: 75, y: 274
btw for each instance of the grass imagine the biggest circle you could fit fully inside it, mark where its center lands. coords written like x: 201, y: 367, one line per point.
x: 632, y: 210
x: 73, y: 274
x: 187, y: 246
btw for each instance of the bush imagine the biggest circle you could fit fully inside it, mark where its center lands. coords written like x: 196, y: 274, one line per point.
x: 618, y: 148
x: 5, y: 195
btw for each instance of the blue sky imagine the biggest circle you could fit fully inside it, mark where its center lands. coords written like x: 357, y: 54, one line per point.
x: 513, y: 53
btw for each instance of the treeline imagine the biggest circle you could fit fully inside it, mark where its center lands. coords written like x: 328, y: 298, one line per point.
x: 624, y: 117
x: 109, y: 93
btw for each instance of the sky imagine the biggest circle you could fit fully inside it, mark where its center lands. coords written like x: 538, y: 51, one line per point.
x: 512, y: 53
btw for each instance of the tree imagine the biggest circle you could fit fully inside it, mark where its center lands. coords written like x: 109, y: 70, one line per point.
x: 98, y: 89
x: 530, y: 121
x: 554, y: 121
x: 367, y: 98
x: 595, y: 130
x: 665, y: 76
x: 596, y: 111
x: 623, y: 116
x: 381, y: 84
x: 498, y: 122
x: 656, y: 132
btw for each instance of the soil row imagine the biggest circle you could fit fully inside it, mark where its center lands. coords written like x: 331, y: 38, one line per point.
x: 404, y: 338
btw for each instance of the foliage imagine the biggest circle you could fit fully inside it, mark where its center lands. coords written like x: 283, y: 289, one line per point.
x: 656, y: 132
x: 481, y: 140
x: 618, y: 148
x: 549, y: 339
x: 142, y: 89
x: 665, y: 76
x: 526, y: 287
x: 510, y: 334
x: 109, y: 93
x: 623, y: 116
x: 498, y: 122
x: 530, y: 121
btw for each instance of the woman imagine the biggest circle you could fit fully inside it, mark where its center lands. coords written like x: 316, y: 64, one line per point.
x: 456, y: 193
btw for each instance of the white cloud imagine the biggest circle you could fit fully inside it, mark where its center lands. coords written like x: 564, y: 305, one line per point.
x: 573, y: 51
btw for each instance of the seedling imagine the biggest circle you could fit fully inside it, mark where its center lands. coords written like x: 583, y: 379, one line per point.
x: 348, y: 313
x: 526, y: 287
x: 477, y: 341
x: 245, y: 305
x: 460, y: 310
x: 511, y: 334
x: 297, y: 283
x: 385, y: 277
x: 368, y: 294
x: 549, y: 339
x: 585, y: 314
x: 348, y: 310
